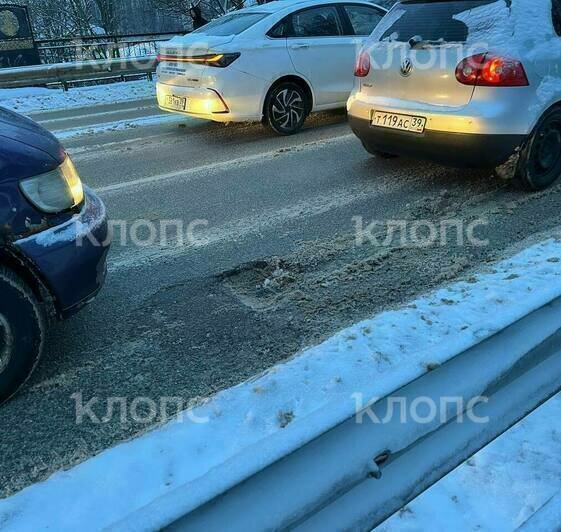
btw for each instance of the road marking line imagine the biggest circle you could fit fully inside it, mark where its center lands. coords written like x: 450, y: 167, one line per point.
x: 238, y: 229
x: 221, y: 165
x: 118, y: 125
x: 94, y: 105
x: 97, y: 115
x: 85, y: 152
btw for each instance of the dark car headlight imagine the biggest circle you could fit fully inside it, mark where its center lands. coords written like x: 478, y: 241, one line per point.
x: 55, y: 191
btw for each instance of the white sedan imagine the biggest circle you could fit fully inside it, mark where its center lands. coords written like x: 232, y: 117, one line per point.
x: 276, y: 62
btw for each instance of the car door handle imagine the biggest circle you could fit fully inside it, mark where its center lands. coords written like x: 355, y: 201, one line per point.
x: 299, y: 46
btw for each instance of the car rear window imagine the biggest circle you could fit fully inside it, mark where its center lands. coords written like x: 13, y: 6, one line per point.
x: 363, y: 18
x: 432, y: 21
x: 231, y: 24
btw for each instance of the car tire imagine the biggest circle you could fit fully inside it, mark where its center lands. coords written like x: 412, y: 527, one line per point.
x: 22, y: 333
x: 286, y: 108
x: 539, y: 163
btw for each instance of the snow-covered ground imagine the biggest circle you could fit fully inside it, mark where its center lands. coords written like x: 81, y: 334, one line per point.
x: 500, y: 487
x: 35, y: 99
x: 186, y: 462
x: 119, y: 125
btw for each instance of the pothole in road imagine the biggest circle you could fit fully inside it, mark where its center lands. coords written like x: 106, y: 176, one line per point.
x: 346, y: 286
x: 307, y: 279
x: 263, y: 284
x: 325, y: 284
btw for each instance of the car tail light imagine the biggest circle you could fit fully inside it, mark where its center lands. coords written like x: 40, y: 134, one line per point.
x: 214, y: 60
x: 484, y: 70
x: 362, y: 67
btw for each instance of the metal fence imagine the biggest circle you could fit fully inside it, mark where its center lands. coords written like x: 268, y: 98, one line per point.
x: 65, y: 50
x: 80, y: 71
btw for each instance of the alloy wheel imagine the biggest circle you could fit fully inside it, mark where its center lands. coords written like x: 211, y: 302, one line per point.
x: 288, y: 109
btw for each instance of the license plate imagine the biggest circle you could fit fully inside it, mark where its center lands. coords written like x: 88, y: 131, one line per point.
x: 177, y: 103
x: 416, y: 124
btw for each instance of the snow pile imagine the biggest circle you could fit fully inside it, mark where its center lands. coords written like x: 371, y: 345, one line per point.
x: 500, y: 487
x: 145, y: 483
x: 523, y: 28
x: 34, y: 99
x: 490, y: 23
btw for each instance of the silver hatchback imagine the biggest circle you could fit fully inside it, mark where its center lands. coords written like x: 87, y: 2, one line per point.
x: 467, y: 83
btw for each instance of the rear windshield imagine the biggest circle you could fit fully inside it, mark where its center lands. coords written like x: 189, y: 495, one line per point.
x: 431, y: 21
x: 231, y: 24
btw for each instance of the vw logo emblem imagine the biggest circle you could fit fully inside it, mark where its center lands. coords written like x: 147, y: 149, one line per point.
x: 406, y: 68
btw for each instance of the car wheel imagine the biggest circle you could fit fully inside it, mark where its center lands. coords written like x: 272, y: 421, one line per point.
x: 539, y: 164
x: 286, y: 108
x: 22, y: 332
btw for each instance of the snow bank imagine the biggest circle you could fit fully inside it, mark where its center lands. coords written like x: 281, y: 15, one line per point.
x: 142, y: 484
x: 500, y: 487
x: 34, y: 99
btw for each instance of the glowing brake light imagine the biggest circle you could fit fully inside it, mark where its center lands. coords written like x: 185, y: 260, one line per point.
x: 484, y: 70
x: 362, y: 67
x: 215, y: 60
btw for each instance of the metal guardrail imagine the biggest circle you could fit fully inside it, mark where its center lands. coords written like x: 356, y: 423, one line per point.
x: 89, y: 58
x: 65, y: 73
x: 356, y: 475
x: 71, y: 49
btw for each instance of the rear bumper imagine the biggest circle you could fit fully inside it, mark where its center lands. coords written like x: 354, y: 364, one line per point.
x: 71, y: 258
x: 211, y: 104
x: 463, y: 150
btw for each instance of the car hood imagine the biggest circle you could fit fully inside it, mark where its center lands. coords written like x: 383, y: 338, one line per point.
x: 26, y: 149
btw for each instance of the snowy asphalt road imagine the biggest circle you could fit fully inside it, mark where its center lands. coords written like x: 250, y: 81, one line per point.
x: 186, y: 321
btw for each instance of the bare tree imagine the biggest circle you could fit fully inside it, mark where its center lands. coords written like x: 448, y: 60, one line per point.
x: 108, y: 19
x: 211, y: 9
x: 51, y: 19
x: 73, y: 18
x: 82, y: 16
x: 173, y: 8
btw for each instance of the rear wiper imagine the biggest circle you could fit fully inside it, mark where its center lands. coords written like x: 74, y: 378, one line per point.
x: 418, y: 42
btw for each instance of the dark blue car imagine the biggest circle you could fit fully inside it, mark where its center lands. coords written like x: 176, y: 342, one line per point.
x: 53, y: 244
